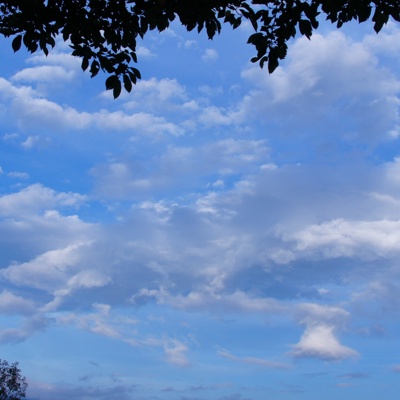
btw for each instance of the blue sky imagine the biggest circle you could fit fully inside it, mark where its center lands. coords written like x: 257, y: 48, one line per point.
x: 217, y: 234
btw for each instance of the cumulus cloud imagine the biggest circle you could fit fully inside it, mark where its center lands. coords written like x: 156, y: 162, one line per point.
x: 204, y: 227
x: 386, y: 42
x: 340, y: 238
x: 319, y: 341
x: 32, y: 110
x: 36, y: 198
x: 213, y: 115
x: 43, y: 73
x: 343, y: 90
x: 56, y: 58
x: 156, y: 94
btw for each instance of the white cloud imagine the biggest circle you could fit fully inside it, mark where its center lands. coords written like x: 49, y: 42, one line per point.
x: 44, y: 73
x: 210, y: 55
x: 30, y: 142
x: 237, y: 302
x: 175, y: 352
x: 189, y: 44
x: 36, y: 198
x: 32, y: 110
x: 261, y: 362
x: 12, y: 304
x: 98, y: 322
x: 141, y: 123
x: 18, y: 175
x: 330, y: 86
x: 308, y: 313
x: 319, y: 341
x: 10, y: 137
x: 340, y: 238
x: 88, y: 279
x: 209, y: 224
x: 179, y: 166
x: 144, y: 52
x: 387, y: 42
x: 36, y: 141
x: 214, y: 116
x: 57, y: 58
x: 154, y: 91
x: 47, y: 271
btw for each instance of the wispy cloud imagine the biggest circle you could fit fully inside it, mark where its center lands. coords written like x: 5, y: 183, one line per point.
x: 261, y: 362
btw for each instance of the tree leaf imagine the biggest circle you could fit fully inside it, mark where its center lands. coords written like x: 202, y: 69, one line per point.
x: 305, y: 28
x: 111, y: 82
x: 117, y: 88
x: 127, y: 83
x: 364, y: 13
x: 85, y: 63
x: 16, y: 43
x: 272, y: 61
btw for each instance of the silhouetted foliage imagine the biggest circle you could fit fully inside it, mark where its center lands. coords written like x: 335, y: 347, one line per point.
x: 12, y: 384
x: 103, y: 33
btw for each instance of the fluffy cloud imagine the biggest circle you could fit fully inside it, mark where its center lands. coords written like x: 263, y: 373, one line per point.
x: 343, y: 90
x: 179, y: 167
x: 36, y: 199
x: 200, y: 228
x: 339, y: 238
x: 30, y: 109
x: 319, y: 341
x: 44, y: 73
x: 156, y: 94
x: 209, y: 55
x: 47, y: 271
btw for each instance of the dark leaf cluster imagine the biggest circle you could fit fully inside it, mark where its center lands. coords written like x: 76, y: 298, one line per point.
x: 12, y: 384
x: 104, y: 33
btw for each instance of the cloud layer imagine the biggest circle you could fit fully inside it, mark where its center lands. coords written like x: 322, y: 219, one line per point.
x: 219, y: 230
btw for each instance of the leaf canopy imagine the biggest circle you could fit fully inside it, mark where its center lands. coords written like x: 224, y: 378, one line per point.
x: 104, y: 33
x: 12, y: 384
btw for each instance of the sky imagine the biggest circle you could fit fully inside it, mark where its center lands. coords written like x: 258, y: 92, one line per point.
x: 217, y: 234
